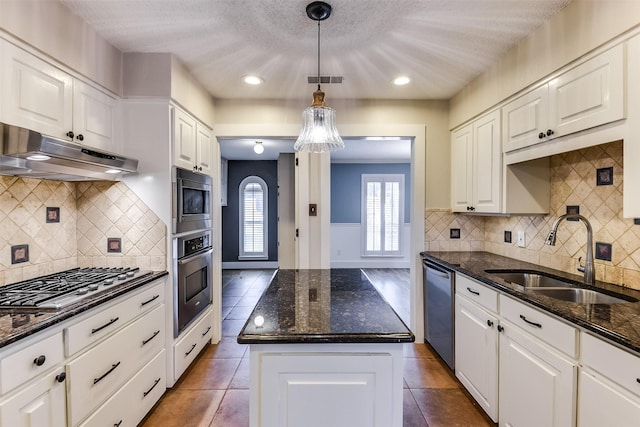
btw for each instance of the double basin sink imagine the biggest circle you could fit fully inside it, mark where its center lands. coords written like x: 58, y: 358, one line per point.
x: 540, y: 283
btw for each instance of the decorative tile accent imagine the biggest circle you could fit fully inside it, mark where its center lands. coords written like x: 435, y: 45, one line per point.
x: 573, y: 209
x: 454, y: 233
x: 114, y: 245
x: 53, y: 215
x: 19, y: 254
x: 507, y: 236
x: 603, y: 251
x: 604, y: 176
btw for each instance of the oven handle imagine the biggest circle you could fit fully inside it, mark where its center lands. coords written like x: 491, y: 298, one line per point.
x: 191, y: 258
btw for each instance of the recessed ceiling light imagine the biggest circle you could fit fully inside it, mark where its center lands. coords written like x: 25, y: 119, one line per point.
x: 252, y: 80
x: 401, y: 80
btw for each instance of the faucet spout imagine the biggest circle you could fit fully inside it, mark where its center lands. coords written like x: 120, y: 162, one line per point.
x: 589, y: 276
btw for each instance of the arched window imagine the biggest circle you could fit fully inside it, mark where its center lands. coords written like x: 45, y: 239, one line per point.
x: 253, y: 219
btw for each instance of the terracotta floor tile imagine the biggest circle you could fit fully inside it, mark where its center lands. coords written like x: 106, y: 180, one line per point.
x: 231, y: 328
x: 248, y: 301
x: 418, y: 350
x: 411, y: 414
x: 209, y: 374
x: 449, y: 408
x: 234, y: 410
x: 239, y: 313
x: 185, y: 408
x: 241, y: 377
x: 227, y: 348
x: 428, y: 373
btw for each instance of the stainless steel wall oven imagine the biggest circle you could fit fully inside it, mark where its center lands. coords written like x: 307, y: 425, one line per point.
x: 191, y: 201
x: 192, y: 278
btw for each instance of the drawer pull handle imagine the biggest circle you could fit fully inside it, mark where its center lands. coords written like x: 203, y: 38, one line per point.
x: 61, y: 377
x: 155, y: 334
x: 148, y: 301
x: 537, y: 325
x: 118, y: 424
x: 190, y: 350
x: 113, y: 367
x: 39, y: 361
x: 109, y: 323
x: 500, y: 328
x: 207, y: 331
x: 155, y: 383
x: 473, y: 292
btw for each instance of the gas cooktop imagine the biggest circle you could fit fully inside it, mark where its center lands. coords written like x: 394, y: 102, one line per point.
x: 61, y: 289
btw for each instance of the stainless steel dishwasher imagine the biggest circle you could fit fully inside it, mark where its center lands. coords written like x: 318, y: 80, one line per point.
x: 439, y: 310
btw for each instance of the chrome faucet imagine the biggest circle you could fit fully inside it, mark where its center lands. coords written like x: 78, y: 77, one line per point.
x: 587, y: 269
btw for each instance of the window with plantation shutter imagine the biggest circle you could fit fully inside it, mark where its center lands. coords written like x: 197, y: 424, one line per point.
x: 382, y: 214
x: 253, y: 218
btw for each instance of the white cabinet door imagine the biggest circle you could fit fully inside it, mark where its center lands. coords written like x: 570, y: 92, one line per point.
x: 41, y: 404
x: 589, y: 95
x: 35, y: 94
x: 95, y: 118
x: 203, y: 149
x: 525, y: 118
x: 487, y: 163
x: 537, y: 385
x: 184, y: 140
x: 477, y: 354
x: 462, y: 169
x: 603, y: 403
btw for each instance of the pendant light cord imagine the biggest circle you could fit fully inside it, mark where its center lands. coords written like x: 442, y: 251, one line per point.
x: 318, y: 54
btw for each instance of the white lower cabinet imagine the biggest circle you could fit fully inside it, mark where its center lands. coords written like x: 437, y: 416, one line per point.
x: 191, y: 343
x: 476, y: 349
x: 537, y: 383
x: 40, y: 404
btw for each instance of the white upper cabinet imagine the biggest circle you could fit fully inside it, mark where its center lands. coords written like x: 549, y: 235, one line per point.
x: 40, y: 96
x: 588, y: 95
x: 191, y: 143
x: 476, y: 166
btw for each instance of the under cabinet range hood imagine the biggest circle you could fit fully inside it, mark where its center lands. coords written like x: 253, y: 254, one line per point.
x: 30, y: 154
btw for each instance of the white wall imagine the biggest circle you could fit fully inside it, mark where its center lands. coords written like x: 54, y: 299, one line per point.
x: 346, y: 249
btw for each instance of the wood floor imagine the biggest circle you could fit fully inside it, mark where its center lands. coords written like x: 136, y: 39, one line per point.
x: 214, y: 392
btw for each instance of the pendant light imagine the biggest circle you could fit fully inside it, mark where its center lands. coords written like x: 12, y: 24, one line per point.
x: 319, y: 133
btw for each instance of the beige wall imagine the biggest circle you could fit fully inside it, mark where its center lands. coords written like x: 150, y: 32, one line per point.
x: 581, y: 27
x: 253, y: 115
x: 51, y: 28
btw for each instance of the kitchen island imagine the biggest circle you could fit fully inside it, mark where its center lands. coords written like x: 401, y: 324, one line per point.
x: 325, y: 349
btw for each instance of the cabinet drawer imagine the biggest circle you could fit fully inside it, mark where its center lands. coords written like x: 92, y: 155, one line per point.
x: 620, y: 366
x: 552, y: 331
x: 194, y: 340
x: 476, y: 292
x: 110, y: 319
x: 33, y: 360
x: 99, y: 372
x: 132, y: 402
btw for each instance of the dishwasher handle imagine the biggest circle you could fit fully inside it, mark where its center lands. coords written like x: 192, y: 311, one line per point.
x: 438, y: 271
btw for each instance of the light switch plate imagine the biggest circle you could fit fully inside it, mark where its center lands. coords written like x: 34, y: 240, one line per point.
x: 521, y: 239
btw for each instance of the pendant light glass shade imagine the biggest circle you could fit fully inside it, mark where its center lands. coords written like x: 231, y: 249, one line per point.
x: 319, y: 133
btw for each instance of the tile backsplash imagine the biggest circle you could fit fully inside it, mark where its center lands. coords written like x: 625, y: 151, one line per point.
x: 573, y: 182
x: 90, y: 213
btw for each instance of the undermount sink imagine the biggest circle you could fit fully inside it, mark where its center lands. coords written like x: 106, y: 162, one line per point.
x: 537, y: 282
x: 531, y: 279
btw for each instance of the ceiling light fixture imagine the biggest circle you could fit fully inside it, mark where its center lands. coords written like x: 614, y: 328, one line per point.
x: 402, y: 80
x: 258, y: 148
x: 252, y: 80
x: 319, y: 133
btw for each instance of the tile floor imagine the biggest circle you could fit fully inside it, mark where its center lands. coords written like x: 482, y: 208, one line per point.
x: 214, y: 392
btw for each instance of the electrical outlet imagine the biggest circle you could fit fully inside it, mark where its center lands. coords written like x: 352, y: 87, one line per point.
x: 521, y: 239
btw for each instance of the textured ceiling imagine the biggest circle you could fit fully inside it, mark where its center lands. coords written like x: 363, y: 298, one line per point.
x: 440, y: 44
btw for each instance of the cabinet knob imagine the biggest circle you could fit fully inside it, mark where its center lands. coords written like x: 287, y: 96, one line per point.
x: 500, y: 328
x: 61, y: 377
x: 200, y: 168
x: 490, y: 323
x: 70, y: 134
x: 541, y: 135
x: 80, y: 137
x: 471, y: 208
x: 39, y: 361
x: 549, y: 132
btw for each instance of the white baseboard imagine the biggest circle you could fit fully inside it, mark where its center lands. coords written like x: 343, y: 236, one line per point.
x: 249, y: 265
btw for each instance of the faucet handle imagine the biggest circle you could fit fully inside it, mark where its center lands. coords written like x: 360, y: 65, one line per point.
x: 580, y: 266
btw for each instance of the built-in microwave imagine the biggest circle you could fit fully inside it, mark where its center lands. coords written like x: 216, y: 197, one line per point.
x: 191, y: 201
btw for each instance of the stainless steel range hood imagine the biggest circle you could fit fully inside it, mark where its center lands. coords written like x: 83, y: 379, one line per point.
x: 29, y: 154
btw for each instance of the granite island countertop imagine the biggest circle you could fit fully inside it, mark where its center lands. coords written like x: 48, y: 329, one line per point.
x: 619, y: 323
x: 323, y: 306
x: 16, y: 324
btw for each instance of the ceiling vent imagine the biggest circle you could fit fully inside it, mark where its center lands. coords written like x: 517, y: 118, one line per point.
x: 324, y: 79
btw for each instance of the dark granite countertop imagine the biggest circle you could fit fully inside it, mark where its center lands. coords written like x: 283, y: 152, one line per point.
x: 16, y: 324
x: 323, y: 306
x: 619, y: 323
